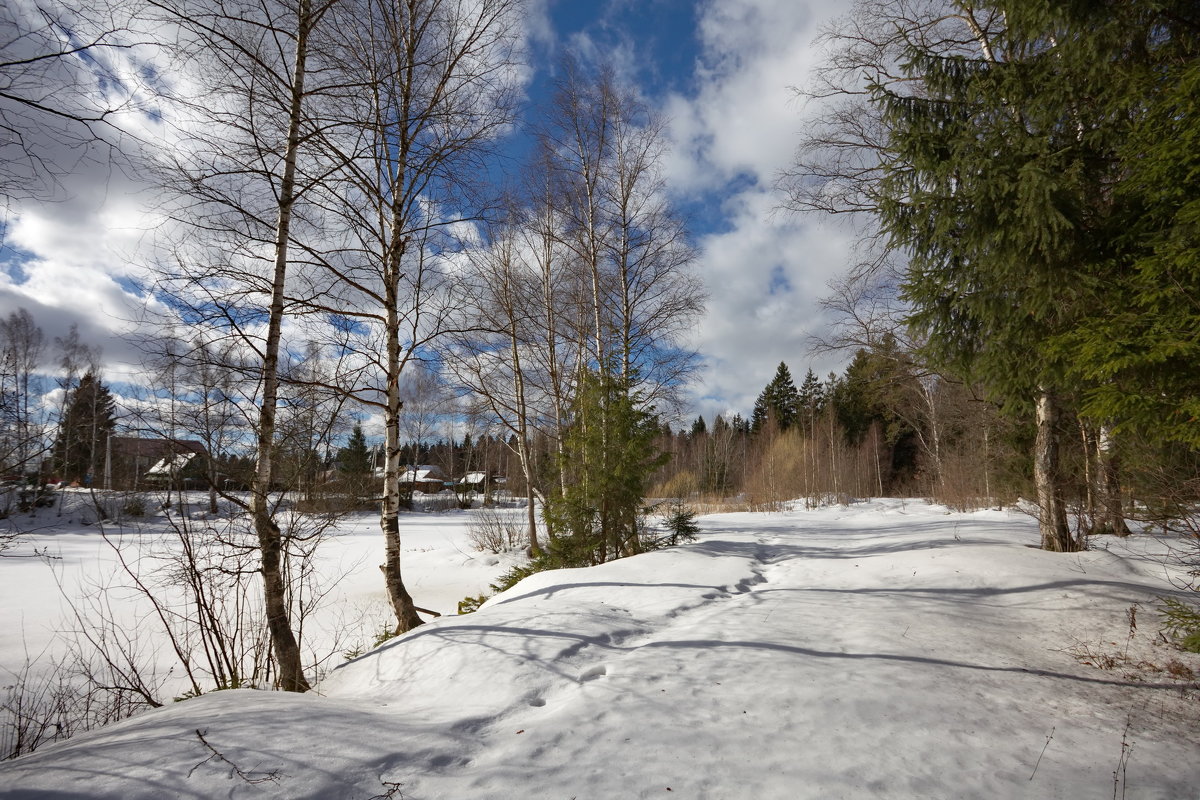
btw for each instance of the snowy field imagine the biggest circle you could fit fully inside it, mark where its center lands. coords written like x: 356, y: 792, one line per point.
x: 887, y: 649
x: 70, y: 550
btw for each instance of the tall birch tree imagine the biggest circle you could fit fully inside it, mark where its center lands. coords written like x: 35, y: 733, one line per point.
x: 436, y: 81
x: 246, y: 115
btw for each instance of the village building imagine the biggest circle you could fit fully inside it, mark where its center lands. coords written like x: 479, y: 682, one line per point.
x: 145, y: 463
x: 426, y: 478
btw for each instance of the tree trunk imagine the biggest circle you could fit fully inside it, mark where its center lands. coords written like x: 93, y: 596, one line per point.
x: 270, y: 540
x: 402, y: 603
x: 1089, y: 520
x: 523, y: 449
x: 1052, y: 512
x: 1110, y: 519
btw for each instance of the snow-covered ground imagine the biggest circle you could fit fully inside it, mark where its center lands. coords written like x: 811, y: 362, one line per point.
x: 440, y: 565
x: 887, y: 649
x: 64, y: 559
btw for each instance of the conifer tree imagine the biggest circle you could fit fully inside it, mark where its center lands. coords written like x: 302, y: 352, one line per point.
x: 812, y: 400
x: 609, y: 453
x: 1137, y: 351
x: 89, y: 420
x: 355, y: 457
x: 1035, y: 164
x: 779, y: 403
x: 739, y: 425
x: 355, y: 463
x: 996, y: 184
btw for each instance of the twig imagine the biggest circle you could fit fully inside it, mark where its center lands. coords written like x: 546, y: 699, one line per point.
x: 1123, y: 762
x: 1132, y: 616
x: 393, y: 790
x: 1039, y: 761
x: 266, y: 777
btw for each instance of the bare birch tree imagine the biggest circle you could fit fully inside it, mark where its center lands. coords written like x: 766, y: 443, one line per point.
x: 603, y: 147
x: 435, y: 87
x: 492, y: 364
x: 22, y: 430
x: 242, y: 167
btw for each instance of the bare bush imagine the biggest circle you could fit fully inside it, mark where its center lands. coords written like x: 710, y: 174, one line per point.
x: 720, y: 505
x: 36, y: 709
x: 493, y: 532
x: 51, y: 701
x: 434, y: 503
x: 684, y: 483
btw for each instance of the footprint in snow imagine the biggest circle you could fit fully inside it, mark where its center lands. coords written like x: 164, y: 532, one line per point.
x: 593, y: 673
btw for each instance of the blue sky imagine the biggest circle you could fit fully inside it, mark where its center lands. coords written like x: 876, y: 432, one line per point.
x: 723, y: 71
x: 661, y: 32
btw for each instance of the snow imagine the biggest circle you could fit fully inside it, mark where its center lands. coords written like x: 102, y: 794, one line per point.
x: 169, y: 466
x: 440, y: 568
x: 421, y: 474
x: 885, y: 649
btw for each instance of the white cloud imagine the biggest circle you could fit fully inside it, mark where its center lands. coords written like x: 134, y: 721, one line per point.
x: 539, y: 30
x: 737, y: 128
x: 744, y: 116
x: 67, y: 261
x: 78, y: 252
x: 765, y: 277
x: 767, y: 271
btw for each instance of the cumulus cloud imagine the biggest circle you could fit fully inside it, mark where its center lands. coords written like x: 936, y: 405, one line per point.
x: 765, y: 270
x: 78, y: 257
x: 765, y: 276
x: 78, y: 262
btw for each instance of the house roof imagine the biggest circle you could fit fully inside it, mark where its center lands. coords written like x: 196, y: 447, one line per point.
x: 421, y: 474
x: 167, y: 466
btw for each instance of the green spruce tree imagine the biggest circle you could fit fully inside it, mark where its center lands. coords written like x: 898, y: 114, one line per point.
x: 356, y: 465
x: 610, y: 450
x: 1138, y: 351
x: 88, y: 420
x: 997, y: 184
x: 811, y: 401
x: 778, y: 405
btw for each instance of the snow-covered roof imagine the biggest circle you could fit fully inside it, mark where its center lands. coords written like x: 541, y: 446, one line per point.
x: 421, y: 474
x: 169, y: 466
x: 474, y: 477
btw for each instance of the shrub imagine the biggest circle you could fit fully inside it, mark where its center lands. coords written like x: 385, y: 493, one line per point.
x: 471, y: 604
x: 135, y: 506
x: 680, y: 522
x: 1182, y: 622
x: 382, y: 634
x: 493, y: 532
x: 435, y: 503
x: 682, y: 484
x: 520, y: 572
